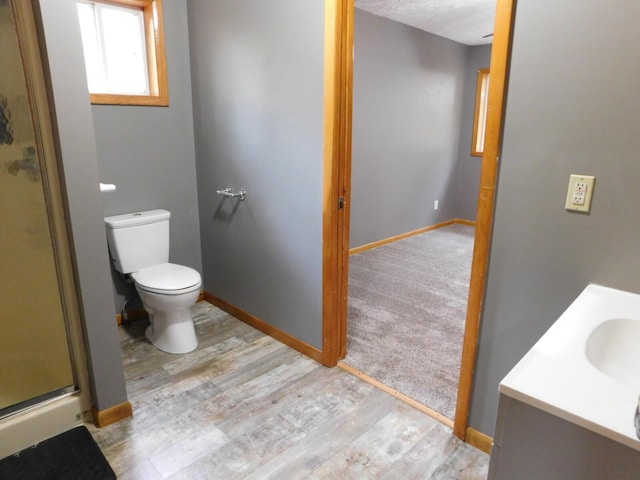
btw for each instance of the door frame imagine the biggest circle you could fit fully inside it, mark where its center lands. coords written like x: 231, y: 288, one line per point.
x: 499, y: 68
x: 338, y: 101
x: 338, y: 108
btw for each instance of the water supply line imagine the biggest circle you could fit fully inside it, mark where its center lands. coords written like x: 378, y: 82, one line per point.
x: 124, y: 315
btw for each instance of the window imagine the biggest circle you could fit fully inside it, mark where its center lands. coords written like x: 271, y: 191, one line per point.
x: 123, y: 42
x: 480, y: 117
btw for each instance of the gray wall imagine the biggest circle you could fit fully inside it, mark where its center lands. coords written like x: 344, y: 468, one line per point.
x: 407, y: 107
x: 79, y: 166
x: 148, y: 153
x: 469, y: 167
x: 258, y: 92
x: 573, y: 107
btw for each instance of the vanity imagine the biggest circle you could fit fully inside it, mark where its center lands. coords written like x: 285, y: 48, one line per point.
x: 566, y: 410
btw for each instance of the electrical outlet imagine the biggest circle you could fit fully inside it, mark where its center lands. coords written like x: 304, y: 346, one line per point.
x: 435, y: 205
x: 579, y: 193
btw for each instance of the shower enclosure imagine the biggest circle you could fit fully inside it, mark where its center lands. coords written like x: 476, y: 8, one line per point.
x: 40, y: 338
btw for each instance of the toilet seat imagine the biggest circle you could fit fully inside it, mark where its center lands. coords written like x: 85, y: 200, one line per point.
x: 167, y: 279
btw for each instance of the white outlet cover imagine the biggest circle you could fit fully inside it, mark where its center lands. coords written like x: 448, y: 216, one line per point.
x: 579, y: 193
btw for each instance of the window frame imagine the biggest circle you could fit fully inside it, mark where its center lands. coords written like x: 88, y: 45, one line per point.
x: 156, y: 58
x: 480, y: 114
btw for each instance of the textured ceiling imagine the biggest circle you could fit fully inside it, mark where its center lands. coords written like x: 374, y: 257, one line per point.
x: 463, y: 21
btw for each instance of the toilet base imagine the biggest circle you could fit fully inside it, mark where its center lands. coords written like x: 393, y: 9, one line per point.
x: 172, y: 332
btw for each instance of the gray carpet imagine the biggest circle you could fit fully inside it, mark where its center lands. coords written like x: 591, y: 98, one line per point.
x: 407, y: 308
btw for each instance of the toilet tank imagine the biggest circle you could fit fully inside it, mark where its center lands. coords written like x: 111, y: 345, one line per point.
x: 138, y: 240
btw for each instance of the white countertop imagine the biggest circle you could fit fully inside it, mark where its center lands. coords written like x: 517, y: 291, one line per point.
x: 556, y: 377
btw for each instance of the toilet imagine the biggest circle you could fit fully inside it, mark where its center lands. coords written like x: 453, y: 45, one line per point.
x: 139, y: 246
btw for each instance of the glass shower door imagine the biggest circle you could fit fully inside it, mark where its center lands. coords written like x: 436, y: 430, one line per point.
x: 35, y: 358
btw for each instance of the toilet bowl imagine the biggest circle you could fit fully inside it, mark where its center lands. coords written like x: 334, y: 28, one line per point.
x: 139, y: 247
x: 167, y: 292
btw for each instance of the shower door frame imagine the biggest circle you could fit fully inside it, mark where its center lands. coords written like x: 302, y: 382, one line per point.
x: 50, y: 417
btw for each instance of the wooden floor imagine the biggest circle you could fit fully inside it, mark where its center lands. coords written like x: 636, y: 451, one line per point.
x: 245, y: 406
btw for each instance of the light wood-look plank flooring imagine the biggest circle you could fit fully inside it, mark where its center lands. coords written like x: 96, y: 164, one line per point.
x: 243, y: 405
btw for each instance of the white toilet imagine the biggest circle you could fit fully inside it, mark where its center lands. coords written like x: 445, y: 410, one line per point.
x: 139, y: 246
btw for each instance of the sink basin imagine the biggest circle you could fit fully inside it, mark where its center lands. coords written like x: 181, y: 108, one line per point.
x: 585, y: 369
x: 613, y: 347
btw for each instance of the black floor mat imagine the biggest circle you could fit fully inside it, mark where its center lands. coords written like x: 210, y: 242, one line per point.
x: 71, y: 455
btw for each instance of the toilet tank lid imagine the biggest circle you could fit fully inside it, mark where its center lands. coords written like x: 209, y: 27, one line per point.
x: 136, y: 218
